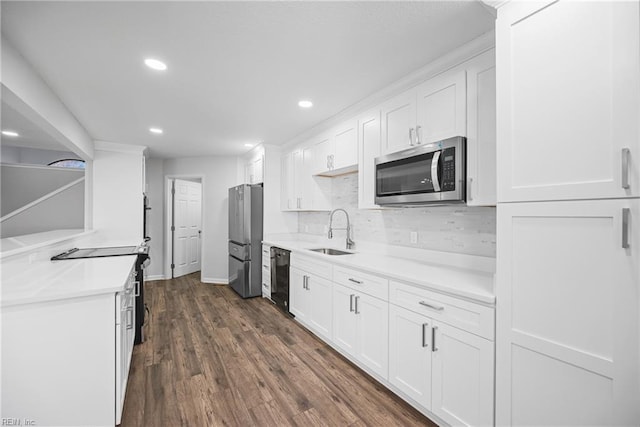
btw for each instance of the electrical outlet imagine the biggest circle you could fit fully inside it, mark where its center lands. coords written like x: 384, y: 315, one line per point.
x: 414, y: 237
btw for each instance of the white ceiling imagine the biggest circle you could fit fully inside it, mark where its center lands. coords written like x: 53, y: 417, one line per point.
x: 236, y: 69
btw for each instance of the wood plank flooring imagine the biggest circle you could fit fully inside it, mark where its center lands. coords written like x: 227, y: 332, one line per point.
x: 211, y: 358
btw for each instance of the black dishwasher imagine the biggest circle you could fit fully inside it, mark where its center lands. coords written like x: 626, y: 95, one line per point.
x: 280, y: 278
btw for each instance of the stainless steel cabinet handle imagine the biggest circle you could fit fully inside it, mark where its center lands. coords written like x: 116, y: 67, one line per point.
x: 411, y: 137
x: 625, y: 168
x: 434, y: 307
x: 433, y: 339
x: 625, y: 227
x: 435, y: 179
x: 470, y: 188
x: 328, y: 161
x: 298, y: 202
x: 357, y: 298
x: 351, y: 303
x: 424, y: 334
x: 355, y: 281
x: 308, y: 282
x: 265, y: 265
x: 418, y: 135
x: 304, y: 282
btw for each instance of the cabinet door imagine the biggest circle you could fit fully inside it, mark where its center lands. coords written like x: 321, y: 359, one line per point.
x: 462, y: 387
x: 298, y: 179
x: 441, y: 111
x: 398, y: 122
x: 567, y: 319
x: 369, y: 149
x: 568, y: 104
x: 373, y: 333
x: 345, y: 143
x: 481, y: 131
x: 410, y: 354
x: 345, y: 328
x: 298, y: 295
x: 320, y: 313
x: 323, y: 151
x: 287, y: 191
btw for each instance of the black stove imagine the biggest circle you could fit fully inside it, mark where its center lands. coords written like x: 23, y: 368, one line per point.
x: 142, y: 260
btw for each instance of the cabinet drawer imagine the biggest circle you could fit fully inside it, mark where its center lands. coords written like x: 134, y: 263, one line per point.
x: 310, y: 265
x: 475, y: 318
x: 266, y: 264
x: 363, y: 282
x: 266, y: 275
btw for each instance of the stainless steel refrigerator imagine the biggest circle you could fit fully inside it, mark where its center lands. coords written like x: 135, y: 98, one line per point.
x: 245, y: 240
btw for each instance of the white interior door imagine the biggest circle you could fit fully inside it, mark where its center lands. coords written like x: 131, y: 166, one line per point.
x: 187, y: 220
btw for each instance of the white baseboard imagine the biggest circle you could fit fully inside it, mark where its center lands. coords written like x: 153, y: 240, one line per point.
x: 155, y: 277
x: 215, y: 280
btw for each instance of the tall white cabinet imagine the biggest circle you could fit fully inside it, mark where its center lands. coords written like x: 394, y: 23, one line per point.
x: 567, y: 343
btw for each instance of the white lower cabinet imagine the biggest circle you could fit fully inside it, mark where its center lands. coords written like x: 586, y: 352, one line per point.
x: 462, y: 380
x: 361, y: 327
x: 266, y: 271
x: 310, y: 300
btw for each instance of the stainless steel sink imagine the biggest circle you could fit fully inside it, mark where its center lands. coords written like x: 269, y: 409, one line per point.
x: 331, y: 251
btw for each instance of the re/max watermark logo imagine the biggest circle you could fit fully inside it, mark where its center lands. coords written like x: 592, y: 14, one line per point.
x: 17, y: 422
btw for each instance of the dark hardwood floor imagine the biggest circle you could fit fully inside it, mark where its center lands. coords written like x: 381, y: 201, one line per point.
x: 212, y: 358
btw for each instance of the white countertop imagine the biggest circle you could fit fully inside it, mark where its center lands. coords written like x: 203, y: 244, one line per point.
x: 473, y: 284
x: 32, y: 277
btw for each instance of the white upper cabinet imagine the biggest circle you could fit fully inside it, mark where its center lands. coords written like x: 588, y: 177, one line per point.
x: 441, y: 108
x: 399, y: 122
x: 254, y: 171
x: 368, y: 149
x: 301, y: 191
x: 569, y: 100
x: 432, y: 111
x: 481, y: 130
x: 338, y: 150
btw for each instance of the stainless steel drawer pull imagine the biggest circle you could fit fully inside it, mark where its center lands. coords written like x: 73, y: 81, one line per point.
x: 265, y: 265
x: 625, y: 227
x: 130, y: 318
x: 434, y: 307
x: 359, y: 282
x: 351, y: 303
x: 625, y: 168
x: 433, y: 339
x: 357, y: 298
x: 411, y: 137
x: 424, y: 334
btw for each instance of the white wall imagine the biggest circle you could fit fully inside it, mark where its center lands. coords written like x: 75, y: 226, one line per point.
x: 155, y: 218
x: 218, y: 175
x: 117, y: 190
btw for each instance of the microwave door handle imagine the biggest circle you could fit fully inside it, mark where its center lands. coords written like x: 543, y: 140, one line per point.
x: 434, y: 171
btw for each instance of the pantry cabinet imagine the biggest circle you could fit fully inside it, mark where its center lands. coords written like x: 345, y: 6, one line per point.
x: 568, y: 82
x: 578, y: 263
x: 430, y: 112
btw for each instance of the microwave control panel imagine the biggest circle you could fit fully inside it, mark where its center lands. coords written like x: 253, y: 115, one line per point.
x: 448, y: 157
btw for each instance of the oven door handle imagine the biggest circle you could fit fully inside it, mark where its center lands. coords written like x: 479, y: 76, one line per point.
x: 435, y: 179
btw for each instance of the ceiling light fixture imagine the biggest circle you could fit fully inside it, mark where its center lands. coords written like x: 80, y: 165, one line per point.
x: 157, y: 131
x: 155, y: 64
x: 248, y: 145
x: 305, y: 104
x: 10, y: 133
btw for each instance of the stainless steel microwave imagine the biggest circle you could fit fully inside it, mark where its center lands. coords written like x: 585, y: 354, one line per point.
x: 428, y: 174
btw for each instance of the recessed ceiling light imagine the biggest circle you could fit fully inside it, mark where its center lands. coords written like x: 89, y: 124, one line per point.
x: 155, y: 64
x: 305, y: 104
x: 248, y: 145
x: 157, y: 131
x: 10, y: 133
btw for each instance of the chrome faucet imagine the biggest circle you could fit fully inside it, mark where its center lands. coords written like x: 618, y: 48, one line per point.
x: 350, y: 243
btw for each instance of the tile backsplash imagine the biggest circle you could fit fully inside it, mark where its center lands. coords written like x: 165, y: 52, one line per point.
x: 456, y: 228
